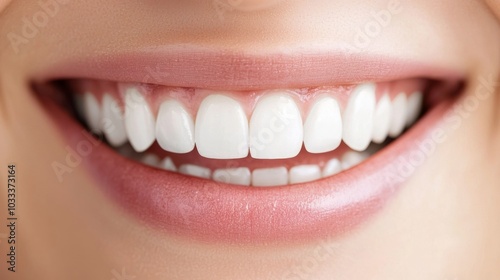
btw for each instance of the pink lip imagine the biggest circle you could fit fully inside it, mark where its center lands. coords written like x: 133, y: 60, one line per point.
x: 217, y: 212
x: 186, y: 66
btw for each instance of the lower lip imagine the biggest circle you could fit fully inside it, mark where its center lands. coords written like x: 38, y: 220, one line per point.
x: 215, y: 212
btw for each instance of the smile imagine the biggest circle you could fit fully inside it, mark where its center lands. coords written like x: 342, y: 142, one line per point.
x: 273, y: 137
x: 248, y: 161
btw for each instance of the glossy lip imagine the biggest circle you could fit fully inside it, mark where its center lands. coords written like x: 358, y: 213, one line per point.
x: 190, y: 66
x: 216, y: 212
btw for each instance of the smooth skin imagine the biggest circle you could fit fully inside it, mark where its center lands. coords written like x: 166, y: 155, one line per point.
x: 443, y: 225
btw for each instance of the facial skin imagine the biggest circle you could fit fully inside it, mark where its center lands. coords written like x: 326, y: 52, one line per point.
x: 442, y: 225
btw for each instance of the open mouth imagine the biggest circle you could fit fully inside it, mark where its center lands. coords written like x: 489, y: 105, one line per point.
x: 260, y: 138
x: 255, y: 164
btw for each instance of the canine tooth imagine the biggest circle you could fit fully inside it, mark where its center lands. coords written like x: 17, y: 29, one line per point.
x: 237, y: 176
x: 276, y: 129
x: 382, y: 119
x: 268, y: 177
x: 92, y: 112
x: 323, y: 126
x: 139, y: 120
x: 332, y: 167
x: 195, y: 170
x: 174, y: 128
x: 221, y: 130
x: 151, y: 160
x: 112, y: 121
x: 167, y: 164
x: 415, y: 102
x: 304, y: 173
x: 352, y: 158
x: 398, y: 116
x: 358, y: 117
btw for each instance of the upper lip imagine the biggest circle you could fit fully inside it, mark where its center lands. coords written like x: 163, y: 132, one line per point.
x: 218, y: 211
x: 188, y: 66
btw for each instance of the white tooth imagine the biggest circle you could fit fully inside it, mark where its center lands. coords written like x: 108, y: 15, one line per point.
x: 332, y: 167
x: 195, y: 170
x: 323, y: 126
x: 112, y: 121
x: 415, y: 102
x: 92, y: 112
x: 398, y: 115
x: 168, y: 164
x: 174, y: 128
x: 151, y: 160
x: 351, y: 159
x: 382, y: 119
x: 221, y: 130
x: 269, y: 177
x: 139, y: 120
x: 276, y: 129
x: 236, y: 176
x: 358, y: 117
x: 304, y: 173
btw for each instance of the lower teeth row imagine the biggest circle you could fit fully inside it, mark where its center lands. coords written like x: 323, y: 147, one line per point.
x: 260, y: 177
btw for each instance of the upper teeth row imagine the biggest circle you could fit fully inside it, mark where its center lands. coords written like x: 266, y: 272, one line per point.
x: 275, y: 129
